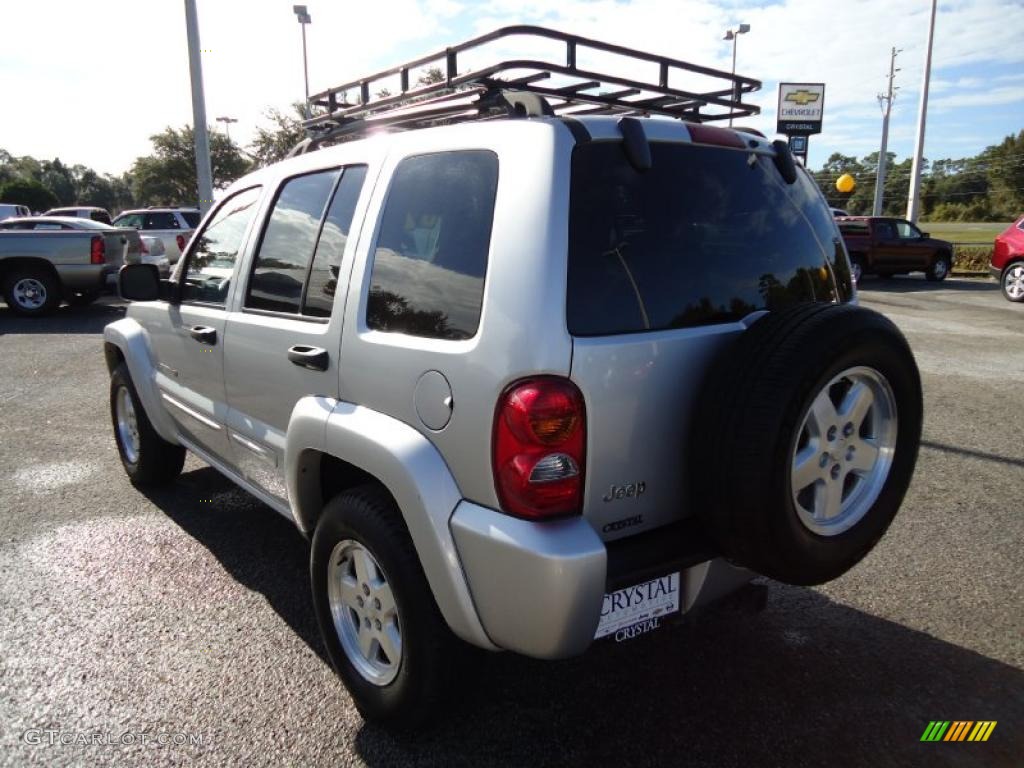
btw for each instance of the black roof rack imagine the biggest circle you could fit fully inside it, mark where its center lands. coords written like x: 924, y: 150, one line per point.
x: 528, y: 87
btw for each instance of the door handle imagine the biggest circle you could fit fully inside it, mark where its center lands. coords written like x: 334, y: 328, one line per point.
x: 203, y: 334
x: 313, y: 358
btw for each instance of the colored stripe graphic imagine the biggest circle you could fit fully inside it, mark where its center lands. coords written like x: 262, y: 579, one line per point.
x: 958, y: 730
x: 935, y: 730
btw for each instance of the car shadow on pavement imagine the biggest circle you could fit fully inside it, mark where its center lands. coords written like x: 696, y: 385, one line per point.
x: 808, y: 681
x: 917, y: 283
x: 259, y: 548
x: 66, y: 319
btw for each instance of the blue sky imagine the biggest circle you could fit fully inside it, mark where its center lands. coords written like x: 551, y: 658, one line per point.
x: 93, y: 81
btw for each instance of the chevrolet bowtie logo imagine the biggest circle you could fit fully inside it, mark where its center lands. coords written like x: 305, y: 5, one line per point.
x: 802, y: 97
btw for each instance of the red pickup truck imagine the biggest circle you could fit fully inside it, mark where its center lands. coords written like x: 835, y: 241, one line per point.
x: 885, y: 246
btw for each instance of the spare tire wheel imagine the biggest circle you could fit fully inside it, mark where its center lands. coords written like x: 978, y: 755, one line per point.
x: 805, y: 440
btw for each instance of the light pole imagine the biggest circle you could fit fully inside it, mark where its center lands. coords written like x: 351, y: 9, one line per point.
x: 304, y: 18
x: 913, y: 202
x: 227, y: 125
x: 733, y: 34
x: 204, y: 176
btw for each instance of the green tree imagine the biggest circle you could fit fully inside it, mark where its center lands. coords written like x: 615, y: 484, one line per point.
x: 28, y: 192
x: 57, y: 177
x: 168, y: 176
x: 274, y: 143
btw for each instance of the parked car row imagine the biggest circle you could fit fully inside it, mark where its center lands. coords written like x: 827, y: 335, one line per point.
x: 45, y: 259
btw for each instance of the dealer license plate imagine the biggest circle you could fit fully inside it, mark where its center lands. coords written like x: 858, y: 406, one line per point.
x: 642, y: 604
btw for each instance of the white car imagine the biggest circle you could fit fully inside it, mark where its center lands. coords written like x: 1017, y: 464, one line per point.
x: 82, y: 212
x: 9, y: 210
x: 172, y: 225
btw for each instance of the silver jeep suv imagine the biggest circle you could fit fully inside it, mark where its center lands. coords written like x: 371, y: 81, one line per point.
x: 525, y: 383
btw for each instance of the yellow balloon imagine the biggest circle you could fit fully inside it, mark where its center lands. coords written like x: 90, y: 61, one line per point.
x: 845, y: 183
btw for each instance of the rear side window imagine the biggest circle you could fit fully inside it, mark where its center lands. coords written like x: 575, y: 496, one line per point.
x: 288, y: 241
x: 160, y: 220
x: 323, y: 273
x: 101, y: 216
x: 431, y: 252
x: 192, y: 218
x: 707, y: 235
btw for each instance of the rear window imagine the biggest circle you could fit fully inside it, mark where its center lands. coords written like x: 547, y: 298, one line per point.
x: 708, y: 235
x: 191, y: 218
x: 101, y: 216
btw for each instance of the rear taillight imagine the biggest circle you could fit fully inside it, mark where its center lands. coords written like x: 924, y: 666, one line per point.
x: 143, y: 248
x: 97, y: 250
x: 181, y: 242
x: 539, y: 448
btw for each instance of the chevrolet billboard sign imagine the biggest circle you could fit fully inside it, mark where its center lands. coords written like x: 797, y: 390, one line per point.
x: 801, y: 107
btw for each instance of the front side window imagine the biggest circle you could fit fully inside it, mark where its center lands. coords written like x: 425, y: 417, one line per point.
x: 133, y: 220
x: 907, y: 230
x: 431, y: 253
x: 288, y: 241
x: 211, y: 259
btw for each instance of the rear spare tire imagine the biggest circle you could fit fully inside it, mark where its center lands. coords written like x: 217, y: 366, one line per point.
x: 806, y: 439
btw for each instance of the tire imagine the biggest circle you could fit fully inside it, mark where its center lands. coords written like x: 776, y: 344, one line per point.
x: 32, y: 292
x: 1012, y: 282
x: 856, y: 267
x: 83, y: 299
x: 148, y: 459
x: 756, y: 420
x: 400, y: 693
x: 939, y: 269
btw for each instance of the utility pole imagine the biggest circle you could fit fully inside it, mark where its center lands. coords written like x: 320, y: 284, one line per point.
x: 204, y: 176
x: 876, y: 209
x: 302, y: 14
x: 734, y: 35
x: 913, y: 203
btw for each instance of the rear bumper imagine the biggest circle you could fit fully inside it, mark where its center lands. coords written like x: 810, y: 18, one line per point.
x: 538, y: 588
x: 996, y: 272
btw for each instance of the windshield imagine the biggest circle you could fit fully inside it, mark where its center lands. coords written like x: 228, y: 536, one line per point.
x: 708, y: 235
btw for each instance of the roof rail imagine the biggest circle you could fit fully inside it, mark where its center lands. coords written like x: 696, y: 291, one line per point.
x: 520, y: 88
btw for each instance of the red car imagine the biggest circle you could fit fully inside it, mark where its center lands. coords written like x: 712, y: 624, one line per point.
x: 1008, y: 260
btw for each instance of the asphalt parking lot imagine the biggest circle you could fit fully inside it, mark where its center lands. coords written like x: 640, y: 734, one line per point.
x: 187, y: 613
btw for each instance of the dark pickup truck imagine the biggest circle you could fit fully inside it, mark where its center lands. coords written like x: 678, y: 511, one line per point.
x: 884, y: 246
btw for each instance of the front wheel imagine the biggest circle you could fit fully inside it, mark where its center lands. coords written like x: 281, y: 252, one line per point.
x: 147, y: 458
x: 856, y: 267
x: 383, y: 631
x: 939, y: 269
x: 1013, y: 282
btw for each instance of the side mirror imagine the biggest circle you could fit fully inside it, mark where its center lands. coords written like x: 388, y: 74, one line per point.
x: 141, y: 282
x: 925, y: 234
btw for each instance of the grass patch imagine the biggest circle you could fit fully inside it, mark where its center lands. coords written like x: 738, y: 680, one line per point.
x: 963, y: 231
